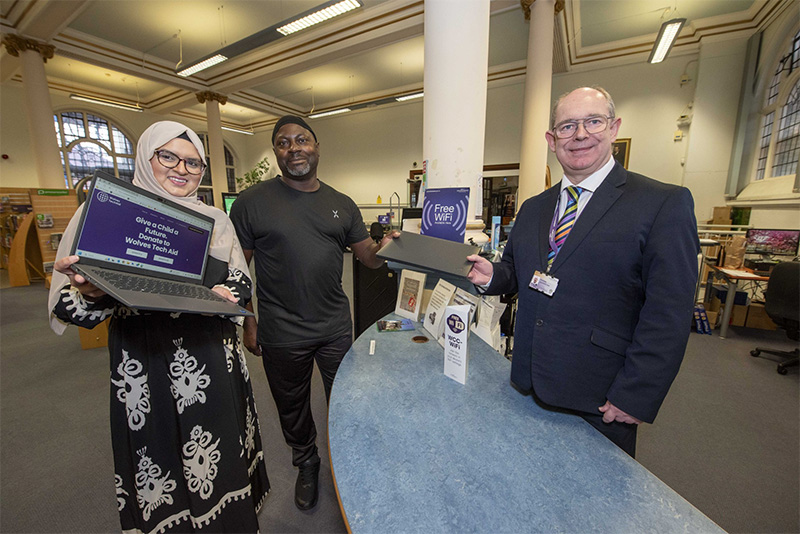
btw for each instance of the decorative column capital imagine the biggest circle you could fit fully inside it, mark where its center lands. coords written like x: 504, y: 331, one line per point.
x: 207, y: 96
x: 15, y: 44
x: 526, y: 7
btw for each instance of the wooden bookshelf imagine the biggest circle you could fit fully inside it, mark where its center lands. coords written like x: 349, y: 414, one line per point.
x: 14, y: 205
x: 58, y: 206
x: 27, y: 244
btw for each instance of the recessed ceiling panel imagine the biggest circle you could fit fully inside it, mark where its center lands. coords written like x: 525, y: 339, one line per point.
x: 378, y: 70
x: 72, y: 73
x: 203, y: 25
x: 604, y: 21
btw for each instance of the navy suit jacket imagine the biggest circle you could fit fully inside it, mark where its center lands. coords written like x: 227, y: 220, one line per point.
x: 617, y: 326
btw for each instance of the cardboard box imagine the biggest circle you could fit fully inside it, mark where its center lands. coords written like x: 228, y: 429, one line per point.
x: 722, y: 215
x: 739, y: 315
x: 713, y: 317
x: 757, y: 318
x: 716, y: 308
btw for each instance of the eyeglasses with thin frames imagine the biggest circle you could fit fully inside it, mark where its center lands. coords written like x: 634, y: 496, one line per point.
x: 170, y: 161
x: 592, y: 125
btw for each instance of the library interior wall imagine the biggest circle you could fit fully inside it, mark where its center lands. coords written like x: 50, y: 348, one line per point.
x: 369, y: 153
x: 649, y: 99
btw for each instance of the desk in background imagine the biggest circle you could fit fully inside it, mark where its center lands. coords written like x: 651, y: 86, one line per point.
x: 732, y: 277
x: 414, y: 451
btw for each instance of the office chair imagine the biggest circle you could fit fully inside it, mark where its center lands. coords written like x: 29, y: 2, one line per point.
x: 783, y: 307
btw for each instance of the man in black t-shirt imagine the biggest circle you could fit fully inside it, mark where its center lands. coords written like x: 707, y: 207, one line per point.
x: 298, y: 228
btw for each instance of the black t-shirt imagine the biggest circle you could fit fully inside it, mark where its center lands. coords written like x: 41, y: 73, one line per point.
x: 298, y: 241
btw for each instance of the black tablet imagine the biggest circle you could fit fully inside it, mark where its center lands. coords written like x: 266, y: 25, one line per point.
x: 431, y: 253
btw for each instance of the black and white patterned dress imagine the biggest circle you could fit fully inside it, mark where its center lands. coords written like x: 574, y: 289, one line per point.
x: 184, y: 428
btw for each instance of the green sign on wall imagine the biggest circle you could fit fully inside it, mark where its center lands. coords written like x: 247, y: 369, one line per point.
x: 52, y: 192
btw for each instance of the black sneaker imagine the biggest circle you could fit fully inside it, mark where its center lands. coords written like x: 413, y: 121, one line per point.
x: 306, y: 489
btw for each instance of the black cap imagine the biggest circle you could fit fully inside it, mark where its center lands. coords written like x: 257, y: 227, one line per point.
x: 291, y: 119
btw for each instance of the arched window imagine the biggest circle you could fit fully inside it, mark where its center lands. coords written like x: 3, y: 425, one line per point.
x: 230, y: 167
x: 778, y: 154
x: 88, y: 142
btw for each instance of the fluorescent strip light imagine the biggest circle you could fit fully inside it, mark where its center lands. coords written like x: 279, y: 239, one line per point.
x: 409, y: 97
x: 327, y: 113
x: 104, y: 102
x: 237, y: 130
x: 320, y: 16
x: 666, y: 38
x: 206, y: 63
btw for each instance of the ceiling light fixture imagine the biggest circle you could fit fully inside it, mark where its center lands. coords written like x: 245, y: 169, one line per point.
x: 237, y: 130
x: 368, y: 104
x: 666, y: 38
x: 320, y: 15
x: 104, y: 102
x: 202, y: 65
x: 327, y: 113
x: 409, y: 97
x: 305, y: 19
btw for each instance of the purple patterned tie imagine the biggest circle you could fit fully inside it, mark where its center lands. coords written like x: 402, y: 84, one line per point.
x: 567, y: 220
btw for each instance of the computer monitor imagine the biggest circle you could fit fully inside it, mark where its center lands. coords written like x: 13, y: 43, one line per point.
x: 411, y: 213
x: 227, y: 201
x: 772, y: 242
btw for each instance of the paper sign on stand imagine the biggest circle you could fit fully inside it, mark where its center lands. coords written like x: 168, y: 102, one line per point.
x: 456, y: 334
x: 434, y: 313
x: 463, y: 297
x: 409, y: 295
x: 488, y: 325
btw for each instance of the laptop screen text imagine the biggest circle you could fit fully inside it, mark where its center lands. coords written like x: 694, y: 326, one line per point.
x: 128, y: 229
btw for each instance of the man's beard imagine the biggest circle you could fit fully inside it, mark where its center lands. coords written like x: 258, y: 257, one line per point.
x: 299, y: 172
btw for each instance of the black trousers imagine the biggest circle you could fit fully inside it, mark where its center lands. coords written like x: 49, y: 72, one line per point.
x: 623, y: 435
x: 289, y: 371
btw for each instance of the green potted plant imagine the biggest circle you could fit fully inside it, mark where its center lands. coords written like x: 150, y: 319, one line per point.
x: 253, y: 176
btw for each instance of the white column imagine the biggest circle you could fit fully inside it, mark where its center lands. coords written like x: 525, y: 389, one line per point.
x: 216, y: 147
x: 454, y: 109
x: 537, y: 101
x: 39, y: 111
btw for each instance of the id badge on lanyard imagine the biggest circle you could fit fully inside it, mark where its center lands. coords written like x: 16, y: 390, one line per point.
x: 545, y: 282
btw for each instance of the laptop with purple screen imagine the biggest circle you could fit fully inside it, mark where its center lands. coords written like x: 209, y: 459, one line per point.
x: 146, y: 251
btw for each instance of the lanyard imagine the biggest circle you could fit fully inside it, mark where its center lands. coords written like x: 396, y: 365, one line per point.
x: 552, y: 233
x: 553, y: 226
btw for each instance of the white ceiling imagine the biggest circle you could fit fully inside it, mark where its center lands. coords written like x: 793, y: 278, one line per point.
x: 128, y: 49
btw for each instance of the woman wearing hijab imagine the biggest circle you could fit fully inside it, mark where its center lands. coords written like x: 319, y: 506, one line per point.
x: 184, y: 428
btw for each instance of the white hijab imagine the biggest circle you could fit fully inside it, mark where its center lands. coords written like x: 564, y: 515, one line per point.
x: 224, y: 244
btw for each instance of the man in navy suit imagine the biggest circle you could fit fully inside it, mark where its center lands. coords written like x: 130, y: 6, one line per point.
x: 605, y: 267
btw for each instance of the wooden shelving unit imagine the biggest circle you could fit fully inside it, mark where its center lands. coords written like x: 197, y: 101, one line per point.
x: 26, y: 249
x: 14, y: 204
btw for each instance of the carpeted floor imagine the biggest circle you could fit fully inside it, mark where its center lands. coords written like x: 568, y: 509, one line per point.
x: 726, y: 438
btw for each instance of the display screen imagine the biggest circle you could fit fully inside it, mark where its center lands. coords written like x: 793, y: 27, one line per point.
x: 228, y: 200
x: 774, y: 242
x: 124, y: 227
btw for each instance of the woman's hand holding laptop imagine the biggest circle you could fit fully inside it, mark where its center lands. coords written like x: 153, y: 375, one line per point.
x: 87, y: 289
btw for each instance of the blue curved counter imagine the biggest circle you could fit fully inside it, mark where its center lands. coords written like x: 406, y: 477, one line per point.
x: 414, y: 451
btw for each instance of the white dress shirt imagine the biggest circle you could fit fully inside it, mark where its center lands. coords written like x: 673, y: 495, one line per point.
x: 589, y: 186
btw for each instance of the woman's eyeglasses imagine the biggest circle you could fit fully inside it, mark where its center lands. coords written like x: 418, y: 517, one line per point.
x: 170, y: 161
